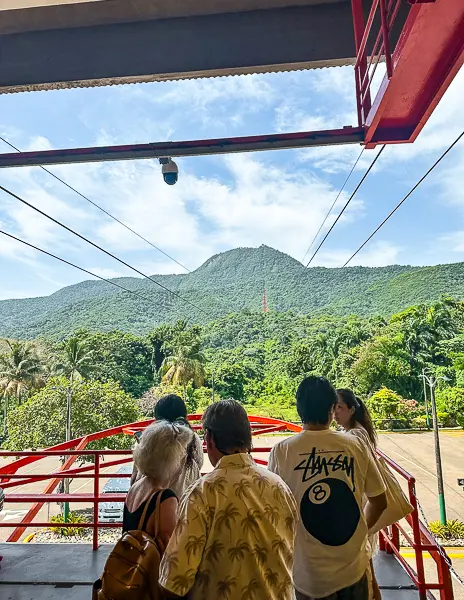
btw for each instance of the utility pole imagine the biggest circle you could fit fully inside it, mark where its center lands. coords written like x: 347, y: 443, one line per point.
x: 68, y: 438
x: 427, y: 418
x: 432, y: 381
x: 441, y: 491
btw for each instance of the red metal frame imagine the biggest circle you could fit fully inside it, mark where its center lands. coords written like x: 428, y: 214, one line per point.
x: 254, y: 143
x: 421, y: 540
x: 428, y: 55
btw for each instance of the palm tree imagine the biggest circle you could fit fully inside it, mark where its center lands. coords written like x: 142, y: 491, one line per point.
x: 290, y: 523
x: 272, y: 514
x: 218, y: 484
x: 227, y: 517
x: 213, y: 553
x: 261, y: 482
x: 272, y: 578
x: 20, y: 372
x: 202, y: 578
x: 249, y: 591
x: 183, y: 582
x: 77, y: 357
x: 242, y: 488
x: 225, y: 587
x: 260, y: 553
x: 238, y: 552
x: 194, y: 545
x: 250, y: 523
x: 185, y: 364
x: 20, y: 369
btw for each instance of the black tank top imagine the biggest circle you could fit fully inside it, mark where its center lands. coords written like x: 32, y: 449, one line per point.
x: 131, y: 520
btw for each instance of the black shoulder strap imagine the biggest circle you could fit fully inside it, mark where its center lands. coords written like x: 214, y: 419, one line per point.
x: 153, y: 506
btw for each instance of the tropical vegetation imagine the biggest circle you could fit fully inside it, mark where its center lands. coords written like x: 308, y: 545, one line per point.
x: 256, y: 357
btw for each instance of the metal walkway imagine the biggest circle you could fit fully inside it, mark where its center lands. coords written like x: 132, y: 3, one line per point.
x: 57, y: 571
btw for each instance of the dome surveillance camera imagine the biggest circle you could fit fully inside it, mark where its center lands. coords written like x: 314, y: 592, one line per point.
x: 170, y: 171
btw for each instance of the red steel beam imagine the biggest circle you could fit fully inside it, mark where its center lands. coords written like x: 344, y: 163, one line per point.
x: 281, y: 141
x: 428, y: 55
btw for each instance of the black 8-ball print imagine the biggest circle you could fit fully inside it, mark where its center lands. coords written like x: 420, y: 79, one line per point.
x: 329, y: 511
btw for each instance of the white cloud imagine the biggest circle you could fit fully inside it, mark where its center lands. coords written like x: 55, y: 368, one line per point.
x: 377, y: 254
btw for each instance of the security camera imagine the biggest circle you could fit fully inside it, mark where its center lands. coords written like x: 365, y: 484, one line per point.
x: 170, y: 170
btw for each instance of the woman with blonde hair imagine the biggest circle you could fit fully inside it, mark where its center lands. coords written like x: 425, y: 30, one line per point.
x: 159, y: 457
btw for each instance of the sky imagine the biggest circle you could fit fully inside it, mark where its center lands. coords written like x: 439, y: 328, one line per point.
x: 276, y: 198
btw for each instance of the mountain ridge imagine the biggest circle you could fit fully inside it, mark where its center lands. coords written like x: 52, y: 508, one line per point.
x: 228, y: 282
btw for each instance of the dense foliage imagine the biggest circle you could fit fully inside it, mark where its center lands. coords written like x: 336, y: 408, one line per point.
x: 229, y: 283
x: 41, y: 420
x: 255, y: 357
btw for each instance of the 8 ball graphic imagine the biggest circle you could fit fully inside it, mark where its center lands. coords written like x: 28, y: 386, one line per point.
x: 329, y: 511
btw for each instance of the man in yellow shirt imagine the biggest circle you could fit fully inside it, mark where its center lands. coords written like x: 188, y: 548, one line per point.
x: 235, y: 533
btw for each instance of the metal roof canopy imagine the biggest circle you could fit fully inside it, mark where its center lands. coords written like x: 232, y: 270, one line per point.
x: 100, y: 42
x: 423, y: 47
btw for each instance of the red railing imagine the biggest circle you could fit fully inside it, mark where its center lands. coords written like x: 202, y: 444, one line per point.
x: 366, y: 66
x: 419, y: 538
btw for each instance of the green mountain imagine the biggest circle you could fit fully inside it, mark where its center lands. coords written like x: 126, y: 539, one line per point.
x: 226, y: 283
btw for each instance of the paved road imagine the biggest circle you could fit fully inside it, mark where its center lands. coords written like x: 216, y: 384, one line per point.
x: 415, y: 453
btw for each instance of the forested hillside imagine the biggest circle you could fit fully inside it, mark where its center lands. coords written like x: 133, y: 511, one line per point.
x: 230, y: 283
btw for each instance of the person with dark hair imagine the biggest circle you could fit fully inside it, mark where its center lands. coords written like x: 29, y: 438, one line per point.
x: 352, y: 414
x: 236, y: 527
x: 172, y: 408
x: 329, y: 473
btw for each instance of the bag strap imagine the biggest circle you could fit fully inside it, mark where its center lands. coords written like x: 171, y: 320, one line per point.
x: 146, y: 515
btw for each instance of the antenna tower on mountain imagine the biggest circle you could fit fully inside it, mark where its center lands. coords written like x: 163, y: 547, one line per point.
x: 265, y: 306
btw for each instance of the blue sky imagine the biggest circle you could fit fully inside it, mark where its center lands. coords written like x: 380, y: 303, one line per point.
x: 276, y: 198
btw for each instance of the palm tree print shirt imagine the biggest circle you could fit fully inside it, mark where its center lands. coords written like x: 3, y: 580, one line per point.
x: 234, y: 537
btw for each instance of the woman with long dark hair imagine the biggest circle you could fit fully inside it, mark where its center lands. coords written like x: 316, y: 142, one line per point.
x: 352, y: 414
x: 172, y: 409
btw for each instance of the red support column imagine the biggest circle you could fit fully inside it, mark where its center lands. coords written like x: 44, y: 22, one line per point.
x: 96, y: 493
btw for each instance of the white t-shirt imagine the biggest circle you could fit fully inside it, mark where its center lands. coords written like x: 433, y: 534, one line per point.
x: 328, y: 473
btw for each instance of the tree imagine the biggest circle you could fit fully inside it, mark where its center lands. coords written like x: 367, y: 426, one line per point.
x: 20, y: 369
x: 451, y: 400
x: 382, y: 361
x: 76, y: 359
x: 20, y: 373
x: 122, y: 357
x: 385, y: 404
x: 185, y: 364
x: 41, y: 421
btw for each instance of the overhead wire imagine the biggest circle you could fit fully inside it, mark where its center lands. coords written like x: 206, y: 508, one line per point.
x: 413, y: 189
x: 67, y: 262
x: 103, y: 210
x: 347, y: 203
x: 110, y: 254
x: 333, y: 204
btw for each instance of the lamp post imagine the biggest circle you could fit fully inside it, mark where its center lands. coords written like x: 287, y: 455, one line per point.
x: 427, y: 417
x: 68, y: 434
x: 432, y: 381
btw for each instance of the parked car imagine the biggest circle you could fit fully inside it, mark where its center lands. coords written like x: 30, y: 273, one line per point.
x: 112, y: 512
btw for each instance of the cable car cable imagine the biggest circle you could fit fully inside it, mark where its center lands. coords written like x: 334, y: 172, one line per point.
x: 120, y: 260
x: 333, y: 204
x: 346, y: 204
x: 413, y: 189
x: 100, y: 208
x: 67, y: 262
